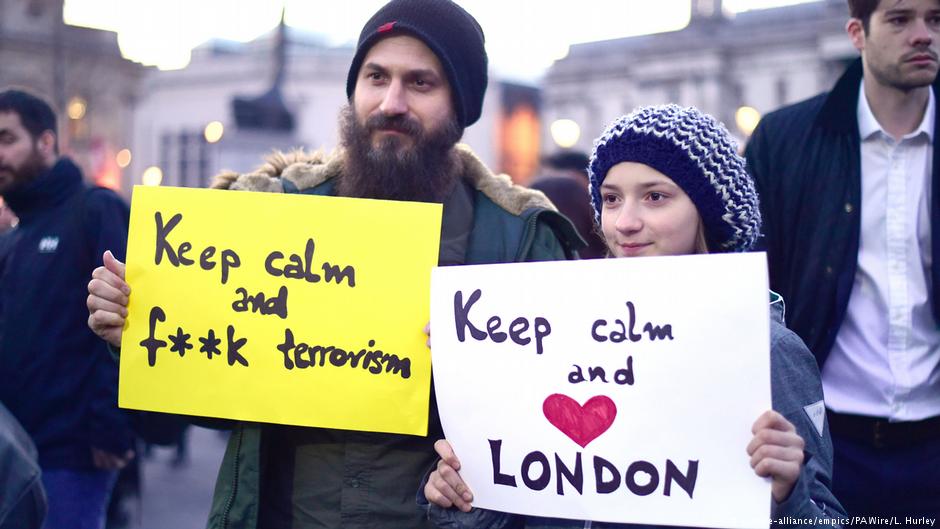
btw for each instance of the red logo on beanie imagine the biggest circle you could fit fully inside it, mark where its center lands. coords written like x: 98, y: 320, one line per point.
x: 384, y: 28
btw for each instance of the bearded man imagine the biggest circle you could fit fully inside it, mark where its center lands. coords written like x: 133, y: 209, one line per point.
x: 56, y: 376
x: 850, y: 195
x: 416, y: 81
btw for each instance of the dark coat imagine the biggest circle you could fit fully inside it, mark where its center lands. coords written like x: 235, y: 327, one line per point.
x: 56, y: 377
x: 23, y: 501
x: 806, y: 161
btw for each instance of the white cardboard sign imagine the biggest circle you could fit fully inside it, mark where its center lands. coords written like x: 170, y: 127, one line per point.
x: 618, y: 390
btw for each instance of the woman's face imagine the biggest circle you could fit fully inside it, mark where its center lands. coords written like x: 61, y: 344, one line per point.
x: 645, y: 213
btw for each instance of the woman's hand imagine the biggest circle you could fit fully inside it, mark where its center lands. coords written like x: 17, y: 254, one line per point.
x: 776, y: 451
x: 445, y: 488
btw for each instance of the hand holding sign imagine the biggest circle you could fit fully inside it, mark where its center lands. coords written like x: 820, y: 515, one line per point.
x: 445, y: 488
x: 107, y: 300
x: 776, y: 452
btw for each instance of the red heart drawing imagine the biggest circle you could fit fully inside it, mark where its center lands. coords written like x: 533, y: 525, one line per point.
x: 582, y: 424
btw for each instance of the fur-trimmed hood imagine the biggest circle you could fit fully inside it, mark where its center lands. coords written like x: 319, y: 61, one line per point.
x: 305, y: 170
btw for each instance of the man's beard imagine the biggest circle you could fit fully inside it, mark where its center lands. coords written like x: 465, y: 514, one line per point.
x: 896, y: 76
x: 13, y: 178
x: 424, y: 171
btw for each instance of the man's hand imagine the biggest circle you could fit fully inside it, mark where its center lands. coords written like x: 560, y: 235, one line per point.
x: 445, y: 488
x: 108, y: 461
x: 107, y: 300
x: 776, y: 451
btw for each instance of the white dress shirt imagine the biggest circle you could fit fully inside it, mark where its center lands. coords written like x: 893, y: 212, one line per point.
x: 886, y: 357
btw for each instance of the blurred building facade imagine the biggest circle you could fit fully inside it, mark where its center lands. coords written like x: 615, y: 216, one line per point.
x: 759, y: 59
x: 174, y: 114
x: 126, y: 118
x: 82, y: 73
x: 173, y: 117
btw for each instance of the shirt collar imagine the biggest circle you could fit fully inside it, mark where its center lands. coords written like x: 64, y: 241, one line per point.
x: 868, y: 125
x: 927, y: 124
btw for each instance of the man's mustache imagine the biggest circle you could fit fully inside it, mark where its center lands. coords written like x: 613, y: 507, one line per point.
x: 925, y: 51
x: 398, y: 123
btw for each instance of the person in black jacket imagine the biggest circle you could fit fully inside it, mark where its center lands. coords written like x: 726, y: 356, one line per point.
x: 849, y: 183
x: 564, y: 180
x: 56, y: 377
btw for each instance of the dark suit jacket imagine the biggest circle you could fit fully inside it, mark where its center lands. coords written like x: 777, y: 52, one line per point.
x: 806, y: 161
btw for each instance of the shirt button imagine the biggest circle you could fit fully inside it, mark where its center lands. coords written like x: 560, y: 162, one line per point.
x: 849, y: 208
x: 354, y: 483
x: 828, y: 270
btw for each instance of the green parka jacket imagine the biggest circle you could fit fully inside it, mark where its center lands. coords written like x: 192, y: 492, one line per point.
x: 380, y: 472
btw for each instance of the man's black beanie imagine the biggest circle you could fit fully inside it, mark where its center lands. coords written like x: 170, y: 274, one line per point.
x: 450, y: 32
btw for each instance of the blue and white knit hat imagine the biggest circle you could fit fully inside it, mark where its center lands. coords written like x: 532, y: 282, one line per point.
x: 697, y: 153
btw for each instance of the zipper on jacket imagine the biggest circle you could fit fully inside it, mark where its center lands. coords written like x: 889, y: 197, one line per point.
x: 587, y: 524
x: 231, y: 498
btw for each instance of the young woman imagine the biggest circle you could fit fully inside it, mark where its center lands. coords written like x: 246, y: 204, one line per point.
x: 666, y: 180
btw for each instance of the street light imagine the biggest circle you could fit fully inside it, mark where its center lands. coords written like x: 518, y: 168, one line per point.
x: 76, y: 108
x: 152, y: 176
x: 123, y: 158
x: 747, y: 119
x: 565, y: 132
x: 214, y: 131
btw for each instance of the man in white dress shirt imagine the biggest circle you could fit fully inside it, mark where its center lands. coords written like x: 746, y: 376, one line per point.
x: 850, y: 192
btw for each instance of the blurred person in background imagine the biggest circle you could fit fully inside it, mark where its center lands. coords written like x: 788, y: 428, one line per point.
x: 850, y: 191
x: 8, y: 220
x: 56, y: 377
x: 564, y: 180
x: 568, y: 164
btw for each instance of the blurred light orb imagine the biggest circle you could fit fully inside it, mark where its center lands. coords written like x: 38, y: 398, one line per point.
x: 76, y: 108
x: 747, y: 119
x: 214, y: 131
x: 152, y: 176
x: 565, y: 132
x: 123, y: 158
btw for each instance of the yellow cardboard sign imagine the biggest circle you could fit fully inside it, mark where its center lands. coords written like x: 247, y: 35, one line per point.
x: 289, y: 309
